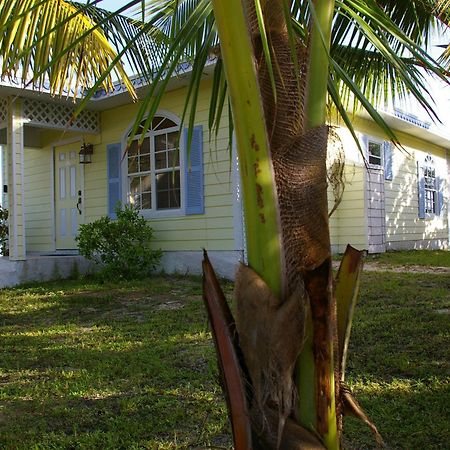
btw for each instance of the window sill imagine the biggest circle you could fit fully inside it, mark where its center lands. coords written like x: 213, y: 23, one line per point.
x: 374, y: 166
x: 163, y: 214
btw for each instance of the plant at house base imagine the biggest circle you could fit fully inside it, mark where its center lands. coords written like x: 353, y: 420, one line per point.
x: 4, y: 231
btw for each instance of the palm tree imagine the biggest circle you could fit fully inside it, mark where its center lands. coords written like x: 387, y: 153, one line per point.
x: 281, y: 62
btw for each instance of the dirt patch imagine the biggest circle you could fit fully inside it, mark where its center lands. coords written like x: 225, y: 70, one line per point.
x: 169, y: 305
x: 380, y: 267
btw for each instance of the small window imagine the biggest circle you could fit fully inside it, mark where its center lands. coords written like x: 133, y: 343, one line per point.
x: 154, y: 167
x: 374, y: 149
x: 430, y: 185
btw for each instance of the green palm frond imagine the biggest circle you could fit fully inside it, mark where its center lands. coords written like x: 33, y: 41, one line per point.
x: 376, y: 49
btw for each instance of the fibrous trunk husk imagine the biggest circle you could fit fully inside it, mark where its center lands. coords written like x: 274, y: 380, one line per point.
x: 271, y: 335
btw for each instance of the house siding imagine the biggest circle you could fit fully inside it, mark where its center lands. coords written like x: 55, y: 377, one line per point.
x: 348, y: 224
x: 38, y: 187
x: 404, y: 229
x: 212, y: 230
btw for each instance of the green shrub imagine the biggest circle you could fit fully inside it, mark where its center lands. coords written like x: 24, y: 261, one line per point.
x: 120, y: 247
x: 4, y: 230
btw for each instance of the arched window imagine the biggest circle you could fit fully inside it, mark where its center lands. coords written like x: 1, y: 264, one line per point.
x: 154, y: 167
x: 430, y: 185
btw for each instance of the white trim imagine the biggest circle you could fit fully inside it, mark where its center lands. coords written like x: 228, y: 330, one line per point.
x: 447, y: 191
x: 15, y: 124
x: 154, y: 213
x: 22, y: 184
x: 52, y: 197
x: 12, y: 145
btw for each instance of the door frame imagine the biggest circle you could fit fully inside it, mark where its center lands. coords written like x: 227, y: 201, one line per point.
x: 56, y: 144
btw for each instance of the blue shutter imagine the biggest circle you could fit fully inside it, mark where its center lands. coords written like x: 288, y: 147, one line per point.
x: 440, y: 195
x: 421, y: 191
x: 114, y: 158
x: 388, y: 160
x: 193, y: 172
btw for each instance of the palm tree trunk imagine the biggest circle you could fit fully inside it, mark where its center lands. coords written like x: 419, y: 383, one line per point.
x: 277, y: 143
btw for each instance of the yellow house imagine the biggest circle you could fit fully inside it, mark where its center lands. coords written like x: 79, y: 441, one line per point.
x: 393, y: 199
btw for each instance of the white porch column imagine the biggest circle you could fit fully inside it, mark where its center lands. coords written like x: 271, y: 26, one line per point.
x: 15, y: 157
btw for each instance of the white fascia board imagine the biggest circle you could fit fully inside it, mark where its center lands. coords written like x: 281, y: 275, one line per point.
x: 431, y: 135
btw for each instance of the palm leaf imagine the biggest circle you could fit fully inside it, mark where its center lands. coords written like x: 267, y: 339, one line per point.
x: 53, y: 41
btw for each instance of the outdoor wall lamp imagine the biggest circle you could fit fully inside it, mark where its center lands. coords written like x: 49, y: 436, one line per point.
x: 85, y: 154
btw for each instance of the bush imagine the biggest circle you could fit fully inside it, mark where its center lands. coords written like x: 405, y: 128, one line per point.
x: 4, y: 231
x: 121, y: 247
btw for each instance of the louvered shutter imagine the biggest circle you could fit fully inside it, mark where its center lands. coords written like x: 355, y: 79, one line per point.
x: 113, y: 156
x: 388, y: 153
x: 193, y: 172
x: 440, y: 195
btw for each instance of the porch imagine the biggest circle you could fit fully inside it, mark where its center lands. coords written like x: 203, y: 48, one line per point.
x: 24, y: 122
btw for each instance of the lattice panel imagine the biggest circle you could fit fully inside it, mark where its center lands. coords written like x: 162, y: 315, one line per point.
x: 55, y: 115
x: 3, y: 110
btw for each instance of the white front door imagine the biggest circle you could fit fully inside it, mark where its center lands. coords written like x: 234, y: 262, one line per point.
x: 68, y: 196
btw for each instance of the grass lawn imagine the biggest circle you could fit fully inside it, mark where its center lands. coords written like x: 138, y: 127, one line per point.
x: 431, y: 258
x: 85, y: 365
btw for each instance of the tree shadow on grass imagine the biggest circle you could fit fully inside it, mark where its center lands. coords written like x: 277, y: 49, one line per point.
x: 122, y: 420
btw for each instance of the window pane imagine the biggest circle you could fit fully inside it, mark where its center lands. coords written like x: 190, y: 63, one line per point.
x: 162, y: 200
x: 133, y: 149
x: 174, y: 179
x: 174, y: 198
x: 168, y: 190
x: 375, y: 153
x: 374, y: 160
x: 145, y: 147
x: 157, y: 120
x: 375, y: 149
x: 172, y: 140
x: 160, y: 143
x: 146, y: 185
x: 145, y: 163
x: 165, y: 123
x: 160, y: 160
x: 134, y: 184
x: 146, y: 200
x: 133, y: 164
x: 162, y: 181
x: 173, y: 158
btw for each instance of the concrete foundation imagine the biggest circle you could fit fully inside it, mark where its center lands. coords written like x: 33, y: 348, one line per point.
x: 38, y: 268
x: 41, y: 268
x: 425, y: 244
x: 190, y: 263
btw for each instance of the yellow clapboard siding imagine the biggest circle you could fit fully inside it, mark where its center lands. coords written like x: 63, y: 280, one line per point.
x: 38, y: 194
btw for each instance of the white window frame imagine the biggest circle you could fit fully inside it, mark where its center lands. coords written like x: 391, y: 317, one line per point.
x: 379, y: 142
x: 155, y: 213
x: 429, y: 163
